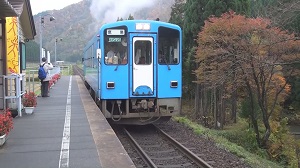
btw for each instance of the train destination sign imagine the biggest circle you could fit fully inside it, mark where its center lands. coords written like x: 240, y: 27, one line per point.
x: 112, y: 39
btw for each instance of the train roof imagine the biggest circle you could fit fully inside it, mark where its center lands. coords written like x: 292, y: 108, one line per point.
x: 131, y: 24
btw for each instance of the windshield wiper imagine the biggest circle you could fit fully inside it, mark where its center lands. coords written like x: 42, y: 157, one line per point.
x: 169, y: 68
x: 117, y: 67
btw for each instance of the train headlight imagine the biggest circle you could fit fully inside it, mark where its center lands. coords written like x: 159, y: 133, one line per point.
x: 174, y: 84
x: 142, y: 26
x: 110, y: 85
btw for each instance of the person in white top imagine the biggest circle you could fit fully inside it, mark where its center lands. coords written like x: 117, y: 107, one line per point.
x: 112, y: 56
x: 45, y: 82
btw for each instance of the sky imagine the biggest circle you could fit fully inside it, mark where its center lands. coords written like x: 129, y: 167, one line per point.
x: 38, y: 6
x: 101, y: 10
x: 110, y: 10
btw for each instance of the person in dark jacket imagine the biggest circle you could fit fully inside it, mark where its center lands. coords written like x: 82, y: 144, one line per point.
x: 45, y: 82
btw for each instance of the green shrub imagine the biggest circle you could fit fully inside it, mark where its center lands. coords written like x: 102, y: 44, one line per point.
x: 246, y: 108
x: 282, y: 145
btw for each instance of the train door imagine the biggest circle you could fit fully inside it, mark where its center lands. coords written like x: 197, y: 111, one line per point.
x: 98, y: 56
x: 143, y: 67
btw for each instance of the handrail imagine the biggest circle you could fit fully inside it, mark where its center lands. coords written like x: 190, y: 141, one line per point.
x: 34, y: 73
x: 31, y: 80
x: 15, y: 89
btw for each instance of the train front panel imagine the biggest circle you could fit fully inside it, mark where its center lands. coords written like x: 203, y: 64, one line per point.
x: 140, y: 65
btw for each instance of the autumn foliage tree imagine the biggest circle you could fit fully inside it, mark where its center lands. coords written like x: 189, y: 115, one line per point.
x: 252, y: 57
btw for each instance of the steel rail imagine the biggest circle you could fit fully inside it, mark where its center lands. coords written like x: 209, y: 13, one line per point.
x: 139, y: 149
x: 198, y: 161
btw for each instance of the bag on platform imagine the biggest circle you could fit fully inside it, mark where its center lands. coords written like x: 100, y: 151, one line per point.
x: 42, y: 73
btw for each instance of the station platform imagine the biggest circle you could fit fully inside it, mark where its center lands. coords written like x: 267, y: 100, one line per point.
x: 66, y: 129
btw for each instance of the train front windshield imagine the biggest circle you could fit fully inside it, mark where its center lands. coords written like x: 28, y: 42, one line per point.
x: 115, y: 46
x: 168, y: 50
x: 167, y: 47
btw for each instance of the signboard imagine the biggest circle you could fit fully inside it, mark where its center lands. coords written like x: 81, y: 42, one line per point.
x: 12, y: 46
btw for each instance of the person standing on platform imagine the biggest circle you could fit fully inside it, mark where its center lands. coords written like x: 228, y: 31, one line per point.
x: 45, y: 82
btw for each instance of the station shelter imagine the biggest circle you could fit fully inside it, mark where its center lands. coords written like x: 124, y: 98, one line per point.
x: 16, y: 28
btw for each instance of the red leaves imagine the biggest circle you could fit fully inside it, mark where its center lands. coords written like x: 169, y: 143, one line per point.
x: 29, y: 99
x: 54, y: 79
x: 234, y: 42
x: 6, y: 123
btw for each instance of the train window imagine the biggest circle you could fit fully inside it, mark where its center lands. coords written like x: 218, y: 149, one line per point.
x: 115, y: 46
x: 168, y: 52
x: 143, y: 52
x: 89, y: 55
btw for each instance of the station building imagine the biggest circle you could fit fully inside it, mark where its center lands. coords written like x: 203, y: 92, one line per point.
x: 16, y: 28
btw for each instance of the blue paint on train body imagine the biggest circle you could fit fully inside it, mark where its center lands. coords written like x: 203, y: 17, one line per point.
x: 135, y: 60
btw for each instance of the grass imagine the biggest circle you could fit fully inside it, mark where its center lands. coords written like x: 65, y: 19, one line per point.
x: 237, y: 138
x: 253, y: 160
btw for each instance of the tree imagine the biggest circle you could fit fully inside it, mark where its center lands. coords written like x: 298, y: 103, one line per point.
x: 196, y: 12
x: 130, y: 17
x: 193, y: 21
x: 120, y: 19
x: 249, y: 53
x: 32, y: 51
x: 240, y: 6
x: 215, y: 7
x: 283, y: 13
x: 286, y: 15
x: 177, y: 13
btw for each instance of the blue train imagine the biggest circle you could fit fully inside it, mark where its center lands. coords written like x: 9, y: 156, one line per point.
x: 133, y: 70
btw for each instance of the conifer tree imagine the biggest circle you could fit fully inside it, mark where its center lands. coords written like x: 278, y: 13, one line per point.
x: 177, y: 13
x: 130, y: 17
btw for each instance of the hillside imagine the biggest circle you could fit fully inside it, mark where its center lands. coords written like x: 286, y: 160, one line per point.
x: 75, y: 25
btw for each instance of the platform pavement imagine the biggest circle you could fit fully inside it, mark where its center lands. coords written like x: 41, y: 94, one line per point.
x: 36, y: 140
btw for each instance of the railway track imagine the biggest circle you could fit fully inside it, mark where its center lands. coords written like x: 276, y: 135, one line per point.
x: 159, y: 150
x: 156, y: 150
x: 77, y: 71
